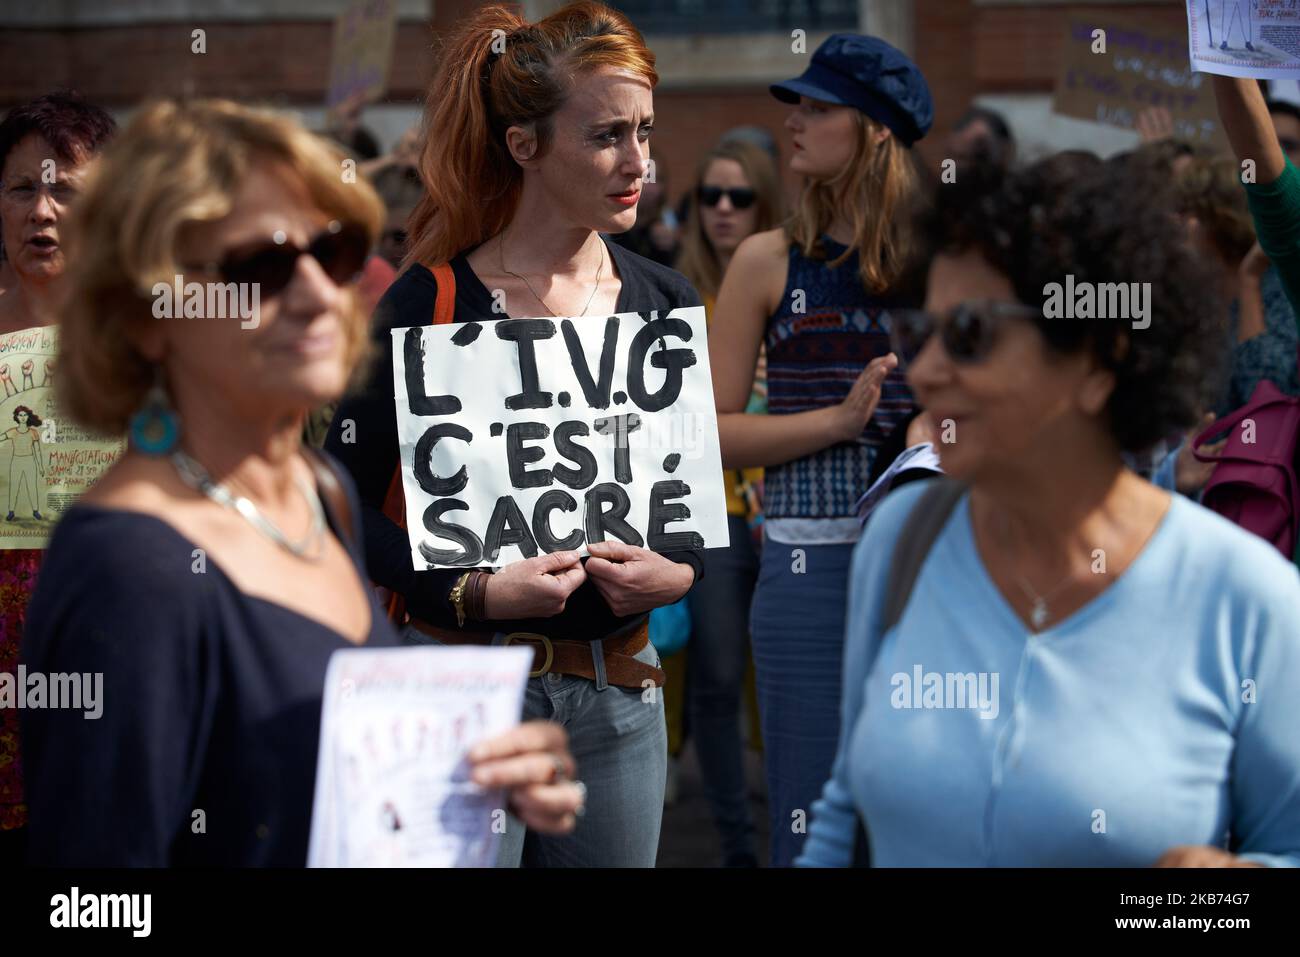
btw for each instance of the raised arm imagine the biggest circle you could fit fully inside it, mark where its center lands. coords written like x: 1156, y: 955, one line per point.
x: 1249, y: 127
x: 1274, y: 192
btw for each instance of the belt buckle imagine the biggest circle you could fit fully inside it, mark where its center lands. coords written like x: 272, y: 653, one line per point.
x: 546, y: 643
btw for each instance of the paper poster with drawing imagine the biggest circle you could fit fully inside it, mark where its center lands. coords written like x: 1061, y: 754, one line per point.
x: 527, y: 436
x: 1251, y: 38
x: 46, y: 463
x: 392, y: 779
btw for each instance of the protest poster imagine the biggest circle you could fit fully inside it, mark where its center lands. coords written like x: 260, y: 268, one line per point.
x: 392, y: 779
x: 46, y: 462
x: 362, y: 52
x: 521, y: 437
x: 1250, y: 38
x: 1143, y: 65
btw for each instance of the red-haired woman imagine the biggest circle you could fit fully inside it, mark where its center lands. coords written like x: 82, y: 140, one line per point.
x: 536, y: 142
x: 817, y: 292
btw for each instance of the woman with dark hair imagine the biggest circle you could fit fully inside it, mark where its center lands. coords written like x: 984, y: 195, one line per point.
x: 59, y: 134
x: 1086, y: 670
x: 816, y: 294
x: 536, y: 142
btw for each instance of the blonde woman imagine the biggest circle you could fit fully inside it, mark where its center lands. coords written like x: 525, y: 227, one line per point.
x: 815, y: 293
x: 213, y: 571
x: 737, y: 194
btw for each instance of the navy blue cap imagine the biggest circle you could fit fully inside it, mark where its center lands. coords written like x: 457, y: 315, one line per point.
x: 867, y: 73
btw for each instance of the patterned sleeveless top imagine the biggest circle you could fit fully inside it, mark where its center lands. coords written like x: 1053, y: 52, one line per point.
x: 814, y: 356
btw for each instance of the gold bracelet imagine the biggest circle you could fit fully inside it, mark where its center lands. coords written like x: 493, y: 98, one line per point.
x: 457, y: 598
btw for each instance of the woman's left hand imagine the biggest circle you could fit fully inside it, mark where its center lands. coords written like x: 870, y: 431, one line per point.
x: 632, y: 579
x: 533, y: 763
x: 1201, y: 855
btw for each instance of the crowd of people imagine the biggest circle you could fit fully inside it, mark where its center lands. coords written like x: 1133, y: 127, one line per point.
x: 927, y: 472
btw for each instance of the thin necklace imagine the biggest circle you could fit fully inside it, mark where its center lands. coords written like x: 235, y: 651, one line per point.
x: 196, y: 477
x: 1038, y: 612
x: 501, y: 251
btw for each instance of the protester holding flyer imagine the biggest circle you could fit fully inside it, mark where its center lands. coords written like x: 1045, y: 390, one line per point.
x: 816, y: 292
x: 536, y: 142
x: 208, y: 578
x: 47, y: 147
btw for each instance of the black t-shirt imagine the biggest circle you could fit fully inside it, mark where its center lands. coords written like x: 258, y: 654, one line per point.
x: 210, y: 702
x: 372, y: 455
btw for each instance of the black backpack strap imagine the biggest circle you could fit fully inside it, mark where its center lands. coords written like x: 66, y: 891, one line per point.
x: 923, y: 525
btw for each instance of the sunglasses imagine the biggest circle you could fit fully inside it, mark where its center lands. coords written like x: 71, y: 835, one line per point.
x: 341, y: 250
x: 740, y: 198
x: 968, y: 331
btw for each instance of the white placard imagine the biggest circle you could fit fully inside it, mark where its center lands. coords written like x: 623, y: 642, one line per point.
x: 521, y: 437
x: 1248, y: 38
x: 392, y: 779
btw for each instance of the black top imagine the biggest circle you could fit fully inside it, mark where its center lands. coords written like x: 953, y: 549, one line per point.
x: 211, y: 702
x: 372, y: 455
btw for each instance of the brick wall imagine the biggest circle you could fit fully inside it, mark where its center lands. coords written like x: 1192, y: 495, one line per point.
x: 118, y: 66
x: 964, y: 49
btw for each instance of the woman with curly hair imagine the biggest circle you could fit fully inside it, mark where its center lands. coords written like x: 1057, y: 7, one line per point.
x: 1088, y: 670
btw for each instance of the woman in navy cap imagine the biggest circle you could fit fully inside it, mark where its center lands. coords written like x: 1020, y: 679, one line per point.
x: 816, y: 293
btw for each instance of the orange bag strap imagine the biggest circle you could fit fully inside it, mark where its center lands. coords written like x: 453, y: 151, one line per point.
x: 444, y: 311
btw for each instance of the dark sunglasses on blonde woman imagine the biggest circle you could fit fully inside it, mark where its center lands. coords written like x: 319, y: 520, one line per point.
x: 968, y: 331
x: 341, y: 250
x: 740, y: 198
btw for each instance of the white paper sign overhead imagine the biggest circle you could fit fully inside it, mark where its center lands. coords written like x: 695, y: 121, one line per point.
x: 1250, y: 38
x: 522, y: 437
x: 392, y: 780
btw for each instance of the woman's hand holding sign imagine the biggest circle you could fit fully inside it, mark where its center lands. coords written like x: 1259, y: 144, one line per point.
x: 633, y: 579
x: 535, y: 587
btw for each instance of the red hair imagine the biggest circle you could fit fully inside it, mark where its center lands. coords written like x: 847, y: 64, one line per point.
x: 495, y: 72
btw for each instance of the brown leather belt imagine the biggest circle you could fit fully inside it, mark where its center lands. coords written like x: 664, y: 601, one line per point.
x: 566, y: 657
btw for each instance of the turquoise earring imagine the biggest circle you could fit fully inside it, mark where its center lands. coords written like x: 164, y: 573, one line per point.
x: 155, y: 428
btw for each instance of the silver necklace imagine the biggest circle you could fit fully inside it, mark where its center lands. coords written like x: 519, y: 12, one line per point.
x: 1038, y: 611
x: 196, y: 477
x: 501, y: 252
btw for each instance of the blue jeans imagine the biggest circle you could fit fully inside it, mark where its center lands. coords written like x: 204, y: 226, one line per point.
x: 798, y: 627
x: 715, y: 666
x: 620, y: 742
